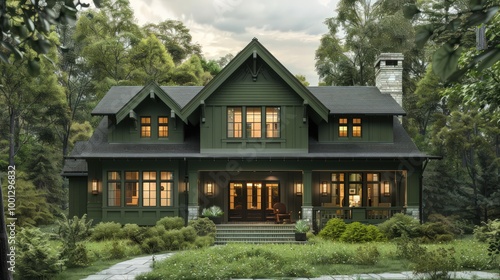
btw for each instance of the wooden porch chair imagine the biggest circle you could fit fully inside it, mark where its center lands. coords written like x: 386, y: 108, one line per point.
x: 280, y: 213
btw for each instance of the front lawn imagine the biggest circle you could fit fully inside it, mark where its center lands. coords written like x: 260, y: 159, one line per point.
x: 311, y: 260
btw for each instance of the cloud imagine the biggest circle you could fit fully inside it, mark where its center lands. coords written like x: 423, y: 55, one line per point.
x: 290, y: 29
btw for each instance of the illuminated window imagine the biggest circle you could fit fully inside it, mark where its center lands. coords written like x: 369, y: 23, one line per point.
x: 166, y: 183
x: 145, y: 127
x: 356, y: 127
x: 132, y: 188
x: 343, y: 127
x: 162, y: 127
x: 114, y: 188
x: 254, y: 122
x: 272, y: 122
x: 234, y: 122
x: 149, y: 188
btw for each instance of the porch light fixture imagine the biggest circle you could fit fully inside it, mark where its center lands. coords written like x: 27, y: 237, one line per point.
x: 386, y: 188
x: 95, y: 186
x: 209, y: 189
x: 324, y: 188
x: 298, y: 188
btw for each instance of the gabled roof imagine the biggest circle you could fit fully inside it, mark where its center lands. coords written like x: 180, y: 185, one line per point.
x: 120, y: 100
x: 357, y: 100
x: 273, y: 63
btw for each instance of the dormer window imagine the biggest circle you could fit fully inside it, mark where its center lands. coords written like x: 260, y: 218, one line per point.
x: 162, y: 127
x: 145, y: 127
x: 356, y: 127
x: 343, y: 130
x: 234, y: 122
x: 273, y: 122
x: 252, y: 119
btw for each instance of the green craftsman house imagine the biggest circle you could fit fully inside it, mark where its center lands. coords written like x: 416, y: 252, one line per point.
x: 253, y: 137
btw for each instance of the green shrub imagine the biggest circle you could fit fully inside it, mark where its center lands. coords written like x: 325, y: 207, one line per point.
x: 435, y: 264
x: 170, y: 223
x: 35, y: 258
x: 203, y: 226
x: 156, y: 231
x: 204, y: 241
x: 72, y: 232
x: 354, y: 233
x: 399, y: 225
x: 189, y: 234
x: 409, y: 249
x: 373, y: 233
x: 107, y: 231
x: 367, y: 255
x: 435, y: 231
x: 487, y: 230
x: 152, y: 245
x: 134, y: 232
x: 77, y: 256
x: 451, y: 224
x: 117, y: 251
x: 173, y: 240
x: 333, y: 229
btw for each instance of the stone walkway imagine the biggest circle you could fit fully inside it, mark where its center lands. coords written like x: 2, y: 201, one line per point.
x: 129, y: 269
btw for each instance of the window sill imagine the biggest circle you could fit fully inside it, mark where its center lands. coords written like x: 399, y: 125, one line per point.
x: 254, y: 140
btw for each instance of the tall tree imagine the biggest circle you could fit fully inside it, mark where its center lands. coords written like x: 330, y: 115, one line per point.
x: 175, y: 37
x: 151, y: 62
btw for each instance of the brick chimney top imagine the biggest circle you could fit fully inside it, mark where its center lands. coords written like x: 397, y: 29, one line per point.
x: 389, y: 75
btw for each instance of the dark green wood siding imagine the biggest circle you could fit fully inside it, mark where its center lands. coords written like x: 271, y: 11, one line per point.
x: 128, y: 130
x: 374, y: 129
x: 77, y: 194
x: 241, y: 90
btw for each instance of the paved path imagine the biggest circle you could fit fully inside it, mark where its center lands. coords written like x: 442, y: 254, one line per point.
x: 129, y: 269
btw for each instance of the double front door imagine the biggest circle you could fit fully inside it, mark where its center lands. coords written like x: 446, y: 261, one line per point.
x: 252, y: 200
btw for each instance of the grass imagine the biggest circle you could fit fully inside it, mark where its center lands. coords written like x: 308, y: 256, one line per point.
x: 311, y: 260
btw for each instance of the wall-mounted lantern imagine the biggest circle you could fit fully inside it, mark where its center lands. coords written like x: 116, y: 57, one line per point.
x: 209, y: 189
x: 298, y: 189
x: 386, y: 188
x: 95, y: 186
x: 324, y: 189
x: 186, y: 184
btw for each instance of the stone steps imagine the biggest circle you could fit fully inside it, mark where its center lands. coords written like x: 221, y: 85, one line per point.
x: 255, y: 233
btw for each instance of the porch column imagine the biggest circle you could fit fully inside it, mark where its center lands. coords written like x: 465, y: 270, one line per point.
x: 307, y: 205
x: 193, y: 207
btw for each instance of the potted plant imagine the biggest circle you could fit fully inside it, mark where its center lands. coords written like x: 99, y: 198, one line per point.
x: 301, y: 229
x: 214, y: 213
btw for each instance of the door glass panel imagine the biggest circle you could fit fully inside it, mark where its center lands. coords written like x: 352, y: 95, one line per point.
x: 355, y: 189
x: 236, y: 198
x: 272, y: 195
x: 254, y: 196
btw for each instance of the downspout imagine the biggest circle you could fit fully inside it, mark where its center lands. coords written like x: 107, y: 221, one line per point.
x: 421, y: 186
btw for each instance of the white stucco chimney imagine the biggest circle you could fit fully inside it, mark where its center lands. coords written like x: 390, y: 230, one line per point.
x: 389, y: 75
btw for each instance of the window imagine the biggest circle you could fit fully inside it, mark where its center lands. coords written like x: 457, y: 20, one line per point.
x: 132, y: 188
x: 373, y: 180
x: 149, y: 188
x: 355, y: 189
x: 338, y: 183
x: 145, y: 127
x: 114, y: 188
x: 343, y: 127
x: 162, y: 127
x: 273, y: 122
x: 356, y: 127
x: 166, y: 182
x: 234, y: 122
x: 254, y: 122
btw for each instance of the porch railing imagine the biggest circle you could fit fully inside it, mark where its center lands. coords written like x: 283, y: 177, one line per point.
x: 372, y: 215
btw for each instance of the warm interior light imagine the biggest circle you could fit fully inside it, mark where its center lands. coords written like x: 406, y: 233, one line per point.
x: 95, y: 189
x: 298, y: 188
x: 324, y: 188
x: 209, y: 190
x: 387, y: 188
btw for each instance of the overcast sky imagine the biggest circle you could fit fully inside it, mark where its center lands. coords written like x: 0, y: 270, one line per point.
x: 289, y: 29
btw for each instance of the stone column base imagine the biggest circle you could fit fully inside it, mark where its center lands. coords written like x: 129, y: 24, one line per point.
x: 193, y: 212
x: 414, y: 212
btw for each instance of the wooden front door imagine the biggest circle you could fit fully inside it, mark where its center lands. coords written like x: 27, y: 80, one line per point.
x: 252, y: 200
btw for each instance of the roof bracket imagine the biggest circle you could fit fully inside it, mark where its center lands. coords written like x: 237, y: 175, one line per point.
x: 254, y: 70
x: 202, y: 103
x: 152, y: 94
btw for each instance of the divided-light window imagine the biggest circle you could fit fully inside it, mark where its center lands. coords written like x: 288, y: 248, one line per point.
x: 162, y: 127
x: 273, y: 122
x: 343, y: 131
x: 356, y: 127
x: 234, y: 122
x: 145, y: 127
x: 253, y: 122
x: 350, y: 126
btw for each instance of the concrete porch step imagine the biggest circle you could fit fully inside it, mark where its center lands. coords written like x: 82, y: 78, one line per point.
x: 255, y: 233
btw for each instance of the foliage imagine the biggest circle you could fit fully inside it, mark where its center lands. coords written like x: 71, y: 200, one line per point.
x: 203, y: 227
x: 152, y: 245
x: 134, y: 232
x: 409, y: 249
x: 399, y: 225
x: 487, y: 230
x: 302, y: 226
x: 367, y: 255
x: 35, y: 258
x: 107, y: 231
x: 72, y: 232
x: 436, y: 264
x: 358, y: 233
x: 117, y: 251
x: 333, y: 229
x: 451, y: 25
x: 170, y: 223
x: 213, y: 211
